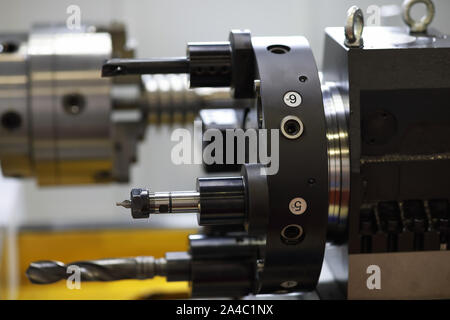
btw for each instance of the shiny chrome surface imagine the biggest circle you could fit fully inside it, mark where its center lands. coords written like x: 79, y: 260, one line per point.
x: 50, y: 79
x: 71, y: 143
x: 14, y: 131
x: 170, y: 92
x: 175, y: 202
x: 336, y: 113
x: 354, y: 26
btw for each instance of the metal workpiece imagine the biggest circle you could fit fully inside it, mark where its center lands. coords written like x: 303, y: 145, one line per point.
x: 67, y: 93
x: 14, y: 131
x: 59, y: 88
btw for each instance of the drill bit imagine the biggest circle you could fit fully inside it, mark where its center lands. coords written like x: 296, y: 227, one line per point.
x: 49, y: 271
x: 124, y: 203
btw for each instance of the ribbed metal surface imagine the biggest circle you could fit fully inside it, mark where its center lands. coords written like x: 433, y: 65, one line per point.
x: 336, y: 112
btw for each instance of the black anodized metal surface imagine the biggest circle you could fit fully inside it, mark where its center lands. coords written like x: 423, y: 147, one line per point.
x: 280, y: 63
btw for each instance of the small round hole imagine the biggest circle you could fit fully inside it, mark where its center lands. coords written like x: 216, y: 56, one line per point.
x: 73, y: 103
x: 303, y: 78
x: 292, y: 234
x: 291, y: 127
x: 278, y: 49
x: 11, y: 120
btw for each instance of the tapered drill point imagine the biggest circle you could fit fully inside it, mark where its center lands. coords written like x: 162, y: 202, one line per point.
x: 124, y: 203
x: 46, y: 271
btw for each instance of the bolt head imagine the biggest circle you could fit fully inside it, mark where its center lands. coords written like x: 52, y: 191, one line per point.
x: 140, y: 208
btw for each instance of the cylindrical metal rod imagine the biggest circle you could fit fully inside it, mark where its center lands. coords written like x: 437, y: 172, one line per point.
x: 120, y: 67
x: 175, y: 202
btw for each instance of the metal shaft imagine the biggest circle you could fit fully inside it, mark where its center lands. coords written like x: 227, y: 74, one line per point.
x: 120, y: 67
x: 49, y: 271
x: 175, y: 202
